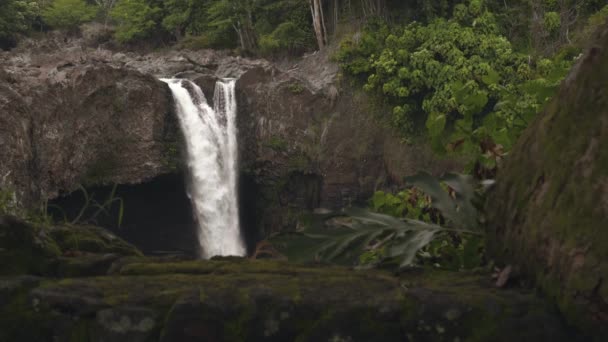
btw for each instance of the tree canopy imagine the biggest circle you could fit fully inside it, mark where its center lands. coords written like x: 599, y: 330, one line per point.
x: 15, y: 17
x: 458, y: 77
x: 68, y: 14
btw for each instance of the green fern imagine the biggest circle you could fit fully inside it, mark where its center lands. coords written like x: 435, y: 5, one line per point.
x: 353, y: 234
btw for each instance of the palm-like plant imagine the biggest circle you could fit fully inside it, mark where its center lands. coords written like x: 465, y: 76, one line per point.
x: 342, y: 237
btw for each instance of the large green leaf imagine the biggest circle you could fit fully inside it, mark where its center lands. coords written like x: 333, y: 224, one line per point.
x: 352, y: 232
x: 491, y: 78
x: 436, y: 124
x: 457, y: 208
x: 342, y: 237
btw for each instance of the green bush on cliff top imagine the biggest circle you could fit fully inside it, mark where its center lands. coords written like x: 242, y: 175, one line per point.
x: 458, y: 77
x: 68, y: 14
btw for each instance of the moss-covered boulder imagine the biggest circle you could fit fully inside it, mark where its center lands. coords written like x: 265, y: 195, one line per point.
x: 25, y: 248
x: 56, y: 250
x: 91, y: 239
x: 241, y: 300
x: 549, y: 211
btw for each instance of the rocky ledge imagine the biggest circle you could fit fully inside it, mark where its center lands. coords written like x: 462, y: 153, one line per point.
x: 240, y: 300
x: 72, y: 115
x: 84, y: 284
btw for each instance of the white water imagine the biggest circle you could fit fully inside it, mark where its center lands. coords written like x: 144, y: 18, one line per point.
x: 210, y: 135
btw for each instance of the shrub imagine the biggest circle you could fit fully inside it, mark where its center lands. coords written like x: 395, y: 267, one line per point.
x: 135, y: 18
x: 288, y: 37
x: 457, y: 77
x: 68, y: 14
x: 365, y: 238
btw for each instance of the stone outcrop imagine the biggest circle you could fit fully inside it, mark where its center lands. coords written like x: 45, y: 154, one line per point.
x: 58, y: 250
x: 72, y: 115
x: 242, y: 300
x: 268, y: 301
x: 307, y: 144
x: 65, y: 123
x: 85, y: 284
x: 549, y: 211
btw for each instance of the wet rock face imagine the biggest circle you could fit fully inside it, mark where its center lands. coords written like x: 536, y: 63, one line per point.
x: 307, y: 146
x: 16, y: 150
x: 83, y: 124
x: 73, y: 115
x: 549, y: 211
x: 106, y: 126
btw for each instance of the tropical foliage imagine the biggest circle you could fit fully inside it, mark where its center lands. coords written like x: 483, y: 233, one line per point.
x: 68, y: 14
x: 458, y: 77
x: 8, y: 203
x: 15, y: 17
x: 421, y: 224
x: 135, y: 18
x: 263, y: 26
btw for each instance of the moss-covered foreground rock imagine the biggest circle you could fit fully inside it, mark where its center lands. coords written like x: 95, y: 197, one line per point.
x: 145, y: 299
x: 549, y: 212
x: 56, y: 250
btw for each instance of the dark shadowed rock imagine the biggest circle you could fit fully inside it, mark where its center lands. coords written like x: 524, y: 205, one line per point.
x: 307, y: 147
x: 241, y: 300
x: 56, y: 250
x: 549, y: 212
x: 125, y: 324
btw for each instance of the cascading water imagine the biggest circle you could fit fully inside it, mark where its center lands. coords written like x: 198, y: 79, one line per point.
x: 210, y: 135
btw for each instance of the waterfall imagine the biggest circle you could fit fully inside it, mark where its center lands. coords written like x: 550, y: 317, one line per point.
x: 210, y: 135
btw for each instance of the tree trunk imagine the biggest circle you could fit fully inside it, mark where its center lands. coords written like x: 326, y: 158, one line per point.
x: 240, y: 34
x: 317, y: 22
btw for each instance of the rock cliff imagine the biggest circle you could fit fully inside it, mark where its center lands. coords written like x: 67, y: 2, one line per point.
x: 72, y: 115
x: 549, y: 212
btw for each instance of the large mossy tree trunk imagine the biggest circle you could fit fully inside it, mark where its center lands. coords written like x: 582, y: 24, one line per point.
x: 549, y: 211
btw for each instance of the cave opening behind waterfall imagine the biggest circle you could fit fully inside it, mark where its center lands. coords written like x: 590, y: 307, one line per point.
x: 157, y: 215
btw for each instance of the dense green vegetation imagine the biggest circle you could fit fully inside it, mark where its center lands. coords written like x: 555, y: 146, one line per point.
x: 292, y: 26
x: 68, y: 14
x: 459, y: 77
x: 473, y: 73
x: 471, y: 79
x: 434, y: 223
x: 15, y: 17
x: 468, y: 75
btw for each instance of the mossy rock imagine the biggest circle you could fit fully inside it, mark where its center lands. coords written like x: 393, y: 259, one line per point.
x: 549, y: 211
x: 243, y: 300
x: 24, y: 247
x: 28, y: 248
x: 91, y: 239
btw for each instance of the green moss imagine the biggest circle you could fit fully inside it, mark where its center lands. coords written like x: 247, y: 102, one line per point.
x: 28, y: 248
x: 101, y: 170
x: 20, y: 322
x: 276, y: 143
x: 236, y: 329
x: 25, y: 248
x: 91, y: 239
x: 189, y: 267
x: 80, y: 333
x: 172, y: 156
x: 238, y: 300
x: 296, y: 88
x: 298, y: 162
x: 547, y: 213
